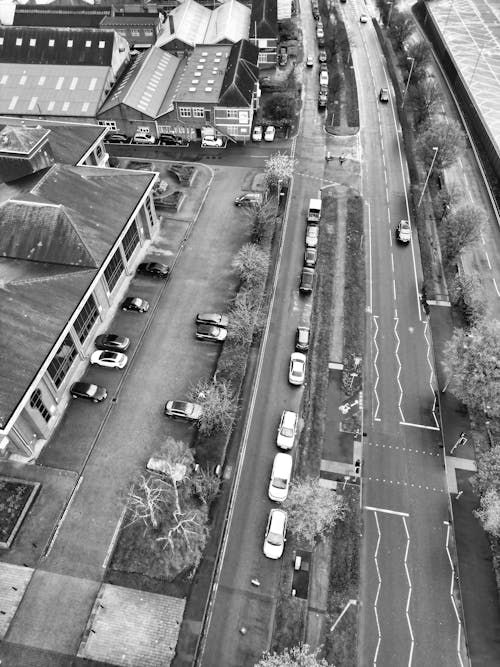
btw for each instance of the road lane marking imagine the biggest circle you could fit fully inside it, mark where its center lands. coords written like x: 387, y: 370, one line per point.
x: 404, y: 449
x: 375, y: 610
x: 452, y: 596
x: 377, y: 377
x: 424, y: 426
x: 413, y: 485
x: 370, y: 265
x: 409, y: 592
x: 396, y: 352
x: 384, y: 511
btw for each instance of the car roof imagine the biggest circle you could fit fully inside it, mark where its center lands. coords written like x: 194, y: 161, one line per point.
x: 278, y: 520
x: 180, y: 405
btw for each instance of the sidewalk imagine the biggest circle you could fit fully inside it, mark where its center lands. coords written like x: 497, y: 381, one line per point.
x: 475, y: 568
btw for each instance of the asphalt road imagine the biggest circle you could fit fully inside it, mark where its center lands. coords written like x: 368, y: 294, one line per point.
x: 238, y: 604
x: 407, y: 615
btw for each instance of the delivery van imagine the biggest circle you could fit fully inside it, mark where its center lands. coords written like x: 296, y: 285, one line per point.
x: 314, y: 211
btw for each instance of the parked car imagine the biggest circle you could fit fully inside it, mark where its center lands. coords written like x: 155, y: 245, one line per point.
x: 92, y: 392
x: 109, y: 359
x: 282, y: 59
x: 302, y: 337
x: 274, y: 540
x: 403, y: 231
x: 310, y: 257
x: 210, y: 332
x: 363, y: 18
x: 154, y: 269
x: 287, y: 429
x: 383, y: 96
x: 310, y: 61
x: 281, y: 474
x: 319, y: 32
x: 257, y: 133
x: 323, y: 67
x: 212, y: 142
x: 117, y: 138
x: 166, y: 139
x: 143, y: 138
x: 112, y: 342
x: 249, y: 199
x: 306, y: 280
x: 322, y: 56
x: 183, y: 410
x: 297, y: 369
x: 269, y: 133
x: 323, y: 78
x: 215, y: 319
x: 312, y: 235
x: 135, y: 303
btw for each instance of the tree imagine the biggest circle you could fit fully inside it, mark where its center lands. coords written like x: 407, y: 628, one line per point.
x: 252, y: 264
x: 287, y: 30
x: 400, y: 28
x: 472, y: 362
x: 219, y: 406
x: 280, y: 106
x: 263, y: 218
x: 312, y: 509
x: 206, y: 486
x: 447, y: 137
x: 298, y: 656
x: 425, y: 97
x: 420, y: 51
x: 489, y: 512
x: 279, y: 169
x: 488, y: 472
x: 461, y: 229
x: 247, y: 319
x: 467, y: 291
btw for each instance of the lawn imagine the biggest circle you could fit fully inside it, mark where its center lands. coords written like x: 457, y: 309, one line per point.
x: 16, y: 496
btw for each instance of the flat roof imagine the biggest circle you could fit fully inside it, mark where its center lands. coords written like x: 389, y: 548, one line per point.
x: 204, y: 74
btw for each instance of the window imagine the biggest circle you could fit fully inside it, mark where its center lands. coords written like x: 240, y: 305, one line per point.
x: 60, y: 81
x: 69, y: 43
x: 85, y: 320
x: 33, y: 103
x: 108, y: 123
x: 23, y: 80
x: 88, y: 44
x: 102, y: 45
x: 19, y: 41
x: 98, y: 151
x: 74, y: 83
x: 198, y: 112
x: 51, y: 105
x: 61, y: 363
x: 185, y: 112
x: 148, y: 32
x: 114, y: 270
x: 36, y: 402
x: 52, y: 42
x: 147, y: 206
x: 130, y: 240
x: 41, y: 81
x: 65, y: 106
x: 13, y: 103
x: 232, y: 113
x: 1, y: 41
x: 92, y: 84
x: 85, y: 106
x: 32, y: 42
x: 4, y: 79
x: 135, y: 32
x: 232, y: 129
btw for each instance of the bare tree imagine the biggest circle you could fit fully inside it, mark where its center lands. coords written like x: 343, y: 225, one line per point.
x: 472, y: 361
x: 252, y: 263
x: 400, y: 28
x: 262, y: 220
x: 247, y: 319
x: 279, y: 169
x: 447, y: 137
x: 421, y: 53
x: 148, y: 500
x: 489, y: 512
x: 206, y: 486
x: 297, y: 656
x: 461, y: 229
x: 219, y: 406
x: 425, y: 98
x: 488, y: 471
x: 467, y: 291
x: 312, y: 509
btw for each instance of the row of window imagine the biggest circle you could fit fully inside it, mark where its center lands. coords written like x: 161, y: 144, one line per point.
x: 199, y: 112
x: 52, y: 42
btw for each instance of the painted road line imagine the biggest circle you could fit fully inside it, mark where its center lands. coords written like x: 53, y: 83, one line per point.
x: 384, y: 511
x: 424, y: 426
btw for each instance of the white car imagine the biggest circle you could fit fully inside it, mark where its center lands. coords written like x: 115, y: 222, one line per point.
x: 212, y: 142
x: 109, y: 359
x: 310, y: 61
x: 143, y: 138
x: 274, y: 541
x: 403, y: 231
x: 312, y: 235
x: 297, y: 369
x: 269, y: 133
x: 257, y: 133
x: 363, y: 18
x: 280, y: 477
x: 287, y: 429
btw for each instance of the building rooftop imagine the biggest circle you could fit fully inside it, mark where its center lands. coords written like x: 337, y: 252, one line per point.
x: 242, y: 72
x: 204, y: 74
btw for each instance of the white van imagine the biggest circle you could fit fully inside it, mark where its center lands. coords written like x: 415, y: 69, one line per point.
x: 314, y: 211
x: 280, y: 477
x: 323, y: 78
x: 287, y: 429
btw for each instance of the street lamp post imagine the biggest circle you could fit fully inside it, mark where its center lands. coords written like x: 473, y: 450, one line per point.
x: 390, y: 12
x: 435, y: 149
x: 408, y: 81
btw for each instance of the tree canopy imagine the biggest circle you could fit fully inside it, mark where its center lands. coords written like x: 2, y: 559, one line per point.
x: 279, y: 168
x: 489, y: 512
x: 298, y: 656
x: 447, y: 137
x: 252, y: 264
x: 219, y: 405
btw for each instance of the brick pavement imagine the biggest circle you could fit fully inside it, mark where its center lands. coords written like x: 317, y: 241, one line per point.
x: 14, y: 580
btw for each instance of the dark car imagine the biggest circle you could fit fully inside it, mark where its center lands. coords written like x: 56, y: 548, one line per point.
x: 307, y: 280
x: 117, y: 138
x: 210, y: 332
x: 88, y: 390
x: 302, y: 337
x: 310, y: 257
x: 135, y: 303
x: 166, y: 139
x: 183, y: 410
x: 216, y: 319
x: 323, y: 67
x: 383, y: 96
x: 154, y: 269
x: 322, y: 56
x: 112, y: 342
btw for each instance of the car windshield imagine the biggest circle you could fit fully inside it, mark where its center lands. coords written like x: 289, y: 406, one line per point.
x: 275, y: 539
x: 181, y: 406
x: 135, y: 302
x: 279, y: 483
x: 109, y: 356
x: 91, y: 390
x: 113, y: 338
x: 286, y: 432
x: 297, y: 368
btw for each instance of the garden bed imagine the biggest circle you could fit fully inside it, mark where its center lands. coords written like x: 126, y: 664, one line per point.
x: 172, y: 200
x: 16, y: 497
x: 185, y: 173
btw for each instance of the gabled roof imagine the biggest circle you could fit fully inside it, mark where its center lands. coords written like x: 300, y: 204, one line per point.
x: 52, y: 243
x: 229, y: 22
x: 57, y: 18
x: 187, y: 23
x: 146, y: 84
x: 241, y: 74
x: 56, y: 46
x: 264, y: 19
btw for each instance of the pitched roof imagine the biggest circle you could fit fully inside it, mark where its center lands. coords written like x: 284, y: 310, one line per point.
x: 147, y: 84
x: 57, y: 18
x: 264, y: 19
x: 229, y: 22
x: 241, y: 74
x: 202, y: 78
x: 187, y: 23
x: 56, y: 46
x: 52, y: 243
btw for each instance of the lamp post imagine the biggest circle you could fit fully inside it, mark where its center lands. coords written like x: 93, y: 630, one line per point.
x: 435, y: 149
x: 390, y: 12
x: 408, y: 81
